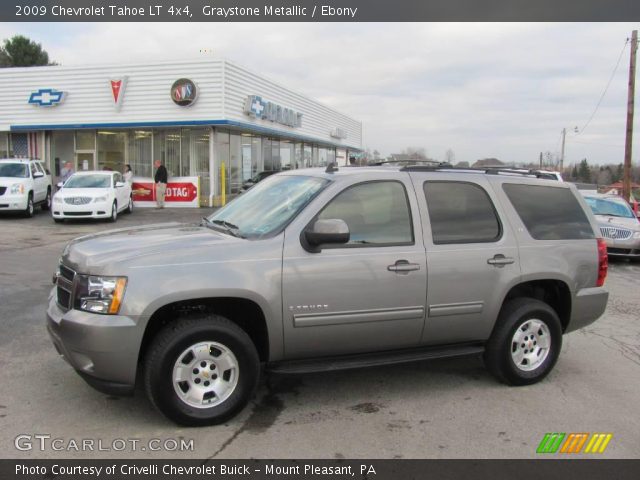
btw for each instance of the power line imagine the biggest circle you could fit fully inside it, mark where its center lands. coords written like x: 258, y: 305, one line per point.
x: 615, y: 69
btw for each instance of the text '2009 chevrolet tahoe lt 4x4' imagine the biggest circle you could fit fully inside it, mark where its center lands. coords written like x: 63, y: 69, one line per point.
x: 326, y: 269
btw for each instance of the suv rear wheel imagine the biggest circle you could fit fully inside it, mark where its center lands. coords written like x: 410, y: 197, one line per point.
x: 525, y: 343
x: 46, y: 205
x: 201, y: 370
x: 28, y: 212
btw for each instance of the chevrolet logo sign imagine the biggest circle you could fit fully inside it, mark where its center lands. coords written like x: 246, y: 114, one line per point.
x: 47, y: 97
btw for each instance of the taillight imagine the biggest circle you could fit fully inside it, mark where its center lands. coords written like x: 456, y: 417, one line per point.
x: 603, y: 261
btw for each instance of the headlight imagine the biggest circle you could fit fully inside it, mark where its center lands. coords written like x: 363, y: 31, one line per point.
x: 101, y: 199
x: 57, y: 199
x: 17, y: 188
x: 99, y: 294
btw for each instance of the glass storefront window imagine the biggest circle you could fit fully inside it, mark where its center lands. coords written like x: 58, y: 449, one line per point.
x: 257, y: 164
x: 139, y: 147
x: 307, y: 155
x: 85, y: 140
x: 166, y: 148
x: 298, y: 160
x: 62, y: 151
x: 235, y: 163
x: 195, y: 156
x: 111, y: 150
x: 286, y: 155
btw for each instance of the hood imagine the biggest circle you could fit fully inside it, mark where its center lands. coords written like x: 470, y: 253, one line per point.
x: 8, y: 181
x: 121, y: 248
x: 608, y: 220
x: 83, y: 192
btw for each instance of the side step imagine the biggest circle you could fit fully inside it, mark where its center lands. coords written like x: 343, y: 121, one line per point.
x: 363, y: 360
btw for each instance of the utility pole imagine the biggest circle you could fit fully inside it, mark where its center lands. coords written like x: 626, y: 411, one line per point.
x: 564, y: 136
x: 540, y: 160
x: 626, y: 184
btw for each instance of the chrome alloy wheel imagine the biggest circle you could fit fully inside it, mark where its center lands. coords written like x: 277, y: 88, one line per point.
x: 530, y: 345
x: 205, y: 374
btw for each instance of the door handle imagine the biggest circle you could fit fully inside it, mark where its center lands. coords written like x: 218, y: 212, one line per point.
x: 500, y: 260
x: 403, y: 266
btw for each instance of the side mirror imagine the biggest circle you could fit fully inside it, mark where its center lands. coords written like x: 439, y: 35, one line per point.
x: 38, y: 175
x: 119, y: 184
x: 59, y: 185
x: 329, y: 231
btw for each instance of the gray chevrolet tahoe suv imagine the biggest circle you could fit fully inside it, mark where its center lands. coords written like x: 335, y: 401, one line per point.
x: 319, y: 269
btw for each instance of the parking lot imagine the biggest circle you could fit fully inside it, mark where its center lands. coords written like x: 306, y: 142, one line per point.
x: 437, y: 409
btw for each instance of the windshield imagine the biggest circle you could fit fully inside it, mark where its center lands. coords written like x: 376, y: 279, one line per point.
x: 88, y: 181
x: 267, y: 207
x: 14, y: 170
x: 602, y: 206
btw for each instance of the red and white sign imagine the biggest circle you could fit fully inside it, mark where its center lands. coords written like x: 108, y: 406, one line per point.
x: 180, y: 192
x: 118, y: 86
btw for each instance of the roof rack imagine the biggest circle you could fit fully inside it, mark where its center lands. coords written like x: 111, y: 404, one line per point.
x: 405, y: 162
x: 446, y: 167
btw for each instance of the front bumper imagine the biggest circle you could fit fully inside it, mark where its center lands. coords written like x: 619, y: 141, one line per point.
x: 588, y: 305
x: 103, y: 349
x: 623, y: 248
x: 13, y: 202
x: 90, y: 210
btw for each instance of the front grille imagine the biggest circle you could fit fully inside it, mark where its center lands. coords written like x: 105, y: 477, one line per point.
x: 64, y: 284
x: 2, y: 190
x: 616, y: 233
x: 620, y: 251
x: 77, y: 200
x: 78, y: 214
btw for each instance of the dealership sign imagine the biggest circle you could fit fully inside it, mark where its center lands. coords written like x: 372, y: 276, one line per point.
x: 47, y: 97
x: 184, y: 92
x: 256, y: 107
x: 118, y: 87
x: 180, y: 192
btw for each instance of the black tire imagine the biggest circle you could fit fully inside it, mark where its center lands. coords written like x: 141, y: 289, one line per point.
x: 172, y: 341
x: 130, y: 205
x: 114, y: 213
x: 28, y: 212
x: 46, y: 205
x: 498, y: 350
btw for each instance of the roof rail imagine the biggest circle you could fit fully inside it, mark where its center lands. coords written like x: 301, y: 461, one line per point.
x: 489, y: 171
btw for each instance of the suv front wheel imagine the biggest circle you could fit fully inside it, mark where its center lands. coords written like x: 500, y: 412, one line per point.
x: 525, y: 343
x: 201, y: 370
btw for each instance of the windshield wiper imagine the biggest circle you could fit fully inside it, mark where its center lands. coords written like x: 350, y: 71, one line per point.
x: 228, y: 227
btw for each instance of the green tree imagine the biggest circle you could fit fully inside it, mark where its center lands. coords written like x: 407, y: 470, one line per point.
x: 19, y: 51
x: 584, y: 172
x: 574, y: 172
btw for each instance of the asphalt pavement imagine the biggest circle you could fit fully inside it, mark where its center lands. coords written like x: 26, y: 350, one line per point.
x: 435, y: 409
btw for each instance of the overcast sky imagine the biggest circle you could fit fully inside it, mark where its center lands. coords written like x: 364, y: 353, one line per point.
x: 501, y: 90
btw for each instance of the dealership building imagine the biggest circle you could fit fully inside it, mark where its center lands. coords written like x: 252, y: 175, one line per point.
x: 204, y: 119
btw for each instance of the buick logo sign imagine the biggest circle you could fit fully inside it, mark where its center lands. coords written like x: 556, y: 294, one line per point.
x: 184, y: 92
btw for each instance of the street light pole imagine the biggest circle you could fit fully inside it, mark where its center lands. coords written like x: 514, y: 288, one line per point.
x: 564, y: 136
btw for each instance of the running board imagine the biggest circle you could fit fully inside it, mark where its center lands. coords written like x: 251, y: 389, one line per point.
x: 363, y: 360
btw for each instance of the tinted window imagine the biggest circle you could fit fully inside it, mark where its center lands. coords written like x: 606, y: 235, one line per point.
x: 376, y: 213
x: 460, y: 213
x: 549, y: 213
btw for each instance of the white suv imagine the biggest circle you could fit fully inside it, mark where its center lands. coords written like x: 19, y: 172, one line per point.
x: 24, y: 183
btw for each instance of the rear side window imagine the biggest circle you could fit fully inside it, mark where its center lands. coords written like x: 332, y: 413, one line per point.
x: 549, y: 213
x: 461, y: 212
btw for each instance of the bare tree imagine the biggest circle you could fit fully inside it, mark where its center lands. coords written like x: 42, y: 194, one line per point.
x: 449, y: 156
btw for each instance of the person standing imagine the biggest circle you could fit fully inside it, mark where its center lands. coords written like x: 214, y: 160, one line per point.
x: 128, y: 174
x: 161, y: 182
x: 66, y: 172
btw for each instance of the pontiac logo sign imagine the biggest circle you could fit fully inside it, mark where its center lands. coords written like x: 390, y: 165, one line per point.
x: 47, y: 97
x: 184, y: 92
x: 256, y: 107
x: 118, y: 87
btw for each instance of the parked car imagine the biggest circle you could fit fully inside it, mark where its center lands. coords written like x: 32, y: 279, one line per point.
x: 618, y: 225
x: 24, y: 184
x: 92, y: 194
x: 317, y: 269
x: 256, y: 179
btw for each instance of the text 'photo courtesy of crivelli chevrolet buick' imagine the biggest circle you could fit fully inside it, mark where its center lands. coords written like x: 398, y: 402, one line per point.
x: 325, y: 269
